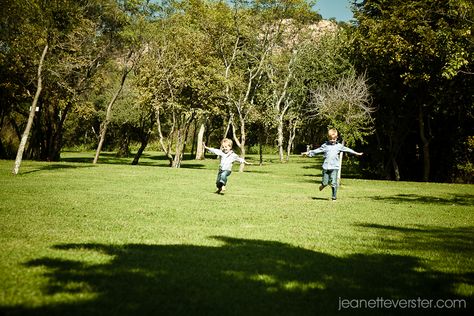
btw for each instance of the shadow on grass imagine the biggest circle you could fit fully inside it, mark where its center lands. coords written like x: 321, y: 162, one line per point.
x: 460, y: 199
x: 145, y: 160
x: 184, y: 165
x: 456, y: 240
x: 240, y: 277
x: 254, y: 169
x: 107, y: 158
x: 320, y: 198
x: 55, y: 166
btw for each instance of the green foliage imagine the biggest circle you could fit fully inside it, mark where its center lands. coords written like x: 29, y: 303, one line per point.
x: 325, y: 60
x: 254, y: 61
x: 81, y: 36
x: 418, y: 57
x: 424, y: 39
x: 266, y: 150
x: 465, y: 162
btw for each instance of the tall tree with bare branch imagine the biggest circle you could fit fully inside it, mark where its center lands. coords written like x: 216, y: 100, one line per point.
x: 26, y: 133
x: 347, y: 107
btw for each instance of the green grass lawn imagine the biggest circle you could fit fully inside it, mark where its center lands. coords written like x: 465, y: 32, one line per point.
x: 116, y: 239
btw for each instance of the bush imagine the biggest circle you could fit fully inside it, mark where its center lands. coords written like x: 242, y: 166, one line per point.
x: 465, y: 167
x: 266, y: 149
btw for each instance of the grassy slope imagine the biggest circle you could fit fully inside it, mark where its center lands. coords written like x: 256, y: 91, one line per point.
x: 118, y: 239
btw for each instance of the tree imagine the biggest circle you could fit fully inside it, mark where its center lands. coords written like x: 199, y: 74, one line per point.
x: 178, y: 77
x: 286, y: 82
x: 280, y: 73
x: 19, y: 57
x: 26, y: 133
x: 346, y: 106
x: 128, y: 65
x: 323, y: 60
x: 133, y: 42
x: 257, y: 36
x: 413, y: 52
x: 79, y: 36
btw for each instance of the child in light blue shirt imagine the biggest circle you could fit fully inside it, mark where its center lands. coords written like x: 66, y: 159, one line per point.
x: 227, y: 157
x: 331, y: 150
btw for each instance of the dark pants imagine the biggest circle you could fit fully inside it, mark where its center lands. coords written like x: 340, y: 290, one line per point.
x: 222, y: 178
x: 330, y: 176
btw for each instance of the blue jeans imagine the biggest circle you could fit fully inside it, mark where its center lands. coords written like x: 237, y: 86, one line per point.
x: 330, y: 176
x: 222, y: 178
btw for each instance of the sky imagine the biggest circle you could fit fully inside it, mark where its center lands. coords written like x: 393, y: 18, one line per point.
x: 339, y: 9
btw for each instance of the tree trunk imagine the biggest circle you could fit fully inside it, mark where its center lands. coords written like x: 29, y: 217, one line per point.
x: 166, y: 148
x: 291, y: 139
x: 228, y: 127
x: 242, y: 154
x: 426, y: 145
x: 242, y: 144
x: 199, y: 147
x: 26, y: 133
x: 339, y: 172
x: 143, y: 144
x: 193, y: 142
x: 178, y: 155
x: 181, y: 138
x: 396, y: 169
x: 125, y: 72
x: 260, y: 144
x: 144, y: 138
x: 185, y: 139
x: 108, y: 114
x: 280, y: 138
x: 56, y: 144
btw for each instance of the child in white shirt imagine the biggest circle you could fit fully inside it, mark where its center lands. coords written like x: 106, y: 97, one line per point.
x: 227, y: 159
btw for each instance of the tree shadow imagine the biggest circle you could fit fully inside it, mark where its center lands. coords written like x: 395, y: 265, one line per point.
x: 105, y: 158
x: 320, y: 198
x: 440, y: 239
x: 459, y: 199
x: 314, y: 177
x: 182, y: 166
x: 53, y: 166
x: 313, y: 167
x: 239, y: 277
x: 253, y: 170
x: 146, y: 159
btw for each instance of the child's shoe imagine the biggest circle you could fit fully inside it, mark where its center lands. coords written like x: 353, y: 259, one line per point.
x: 223, y: 188
x: 321, y: 187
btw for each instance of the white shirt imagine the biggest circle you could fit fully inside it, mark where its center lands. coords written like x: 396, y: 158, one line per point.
x: 226, y: 159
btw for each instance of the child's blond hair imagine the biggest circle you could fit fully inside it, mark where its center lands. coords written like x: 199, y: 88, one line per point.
x: 227, y: 141
x: 332, y: 134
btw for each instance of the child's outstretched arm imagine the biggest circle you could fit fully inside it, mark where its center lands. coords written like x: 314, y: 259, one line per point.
x: 242, y: 160
x: 351, y: 151
x: 213, y: 150
x: 312, y: 153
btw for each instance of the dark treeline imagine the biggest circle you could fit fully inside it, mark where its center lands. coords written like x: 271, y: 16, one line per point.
x: 397, y: 82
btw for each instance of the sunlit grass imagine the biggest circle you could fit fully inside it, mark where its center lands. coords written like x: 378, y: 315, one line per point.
x: 75, y: 238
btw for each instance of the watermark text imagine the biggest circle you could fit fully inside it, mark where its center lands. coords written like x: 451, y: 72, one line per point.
x: 412, y: 303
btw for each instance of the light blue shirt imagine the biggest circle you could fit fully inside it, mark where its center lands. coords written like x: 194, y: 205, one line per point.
x: 226, y: 159
x: 331, y: 154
